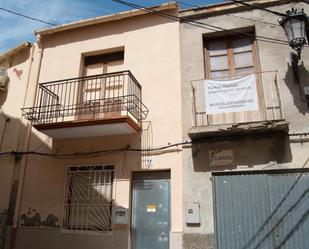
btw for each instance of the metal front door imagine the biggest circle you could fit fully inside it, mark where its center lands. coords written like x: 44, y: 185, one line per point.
x: 289, y: 199
x: 151, y: 210
x: 261, y: 210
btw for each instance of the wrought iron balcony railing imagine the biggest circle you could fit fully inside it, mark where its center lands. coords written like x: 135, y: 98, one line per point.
x: 103, y: 96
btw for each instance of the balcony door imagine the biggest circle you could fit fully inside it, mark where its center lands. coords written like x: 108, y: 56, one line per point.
x: 99, y: 95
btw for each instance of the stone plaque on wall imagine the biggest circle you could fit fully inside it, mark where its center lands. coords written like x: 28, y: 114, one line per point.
x: 221, y: 157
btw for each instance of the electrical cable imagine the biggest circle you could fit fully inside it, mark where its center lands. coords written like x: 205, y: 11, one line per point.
x: 28, y: 17
x: 20, y: 153
x: 160, y: 148
x: 257, y: 21
x: 259, y: 8
x: 244, y: 34
x: 201, y: 24
x: 187, y: 4
x: 66, y: 155
x: 92, y: 153
x: 46, y: 142
x: 254, y: 20
x: 194, y: 23
x: 240, y: 17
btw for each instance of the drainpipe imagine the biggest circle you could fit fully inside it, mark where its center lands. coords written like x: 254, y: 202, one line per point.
x: 6, y: 120
x: 26, y: 147
x: 29, y: 73
x: 4, y: 223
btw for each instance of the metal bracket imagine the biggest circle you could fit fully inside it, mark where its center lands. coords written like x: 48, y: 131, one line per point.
x: 294, y: 61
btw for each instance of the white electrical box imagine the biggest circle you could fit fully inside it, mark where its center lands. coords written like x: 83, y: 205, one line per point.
x: 121, y: 216
x: 193, y: 213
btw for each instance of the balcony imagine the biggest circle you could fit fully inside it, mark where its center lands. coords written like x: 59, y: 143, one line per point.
x: 98, y: 105
x: 267, y: 117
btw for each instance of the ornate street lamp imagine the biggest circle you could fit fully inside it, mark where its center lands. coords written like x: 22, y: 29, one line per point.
x: 295, y: 25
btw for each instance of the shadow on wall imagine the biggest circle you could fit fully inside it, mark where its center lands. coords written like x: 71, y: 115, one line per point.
x: 247, y: 151
x: 103, y: 150
x: 3, y: 94
x: 297, y: 89
x: 32, y: 215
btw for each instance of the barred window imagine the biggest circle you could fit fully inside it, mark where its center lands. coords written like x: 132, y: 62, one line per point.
x: 88, y: 204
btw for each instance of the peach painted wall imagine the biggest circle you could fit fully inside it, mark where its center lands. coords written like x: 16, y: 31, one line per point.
x: 151, y: 46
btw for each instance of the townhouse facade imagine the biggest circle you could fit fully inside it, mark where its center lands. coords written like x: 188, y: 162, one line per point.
x: 246, y: 175
x: 113, y: 134
x: 101, y: 93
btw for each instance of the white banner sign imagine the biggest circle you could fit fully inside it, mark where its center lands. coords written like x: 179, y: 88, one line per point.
x: 226, y: 96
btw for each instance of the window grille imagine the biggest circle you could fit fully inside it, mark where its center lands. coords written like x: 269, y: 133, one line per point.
x: 88, y: 204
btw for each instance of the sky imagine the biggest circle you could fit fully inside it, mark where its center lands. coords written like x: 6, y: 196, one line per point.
x: 16, y: 29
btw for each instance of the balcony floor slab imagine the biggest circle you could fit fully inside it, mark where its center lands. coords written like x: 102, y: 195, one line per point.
x: 89, y: 128
x: 239, y: 129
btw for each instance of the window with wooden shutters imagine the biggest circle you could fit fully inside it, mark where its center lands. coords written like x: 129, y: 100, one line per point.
x: 229, y: 56
x: 105, y: 95
x: 88, y: 204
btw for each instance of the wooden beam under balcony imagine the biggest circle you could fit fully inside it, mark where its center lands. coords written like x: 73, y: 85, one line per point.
x: 264, y: 127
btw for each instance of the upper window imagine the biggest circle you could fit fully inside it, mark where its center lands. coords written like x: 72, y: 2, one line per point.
x: 229, y: 56
x: 104, y: 63
x: 89, y: 202
x: 103, y: 92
